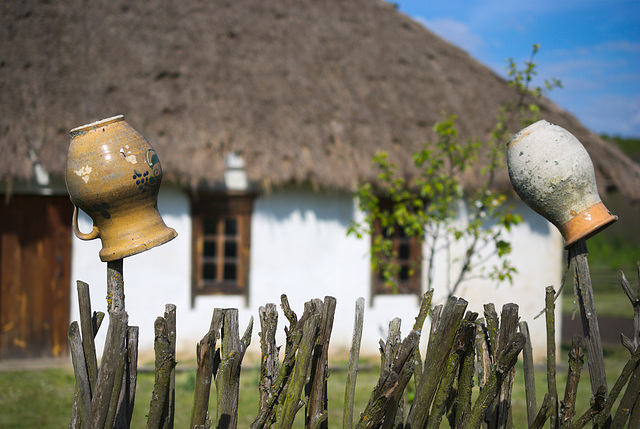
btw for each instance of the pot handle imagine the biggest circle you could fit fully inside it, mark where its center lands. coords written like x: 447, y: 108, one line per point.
x: 81, y: 235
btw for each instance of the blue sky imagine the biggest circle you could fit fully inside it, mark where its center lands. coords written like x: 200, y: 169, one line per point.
x: 591, y: 46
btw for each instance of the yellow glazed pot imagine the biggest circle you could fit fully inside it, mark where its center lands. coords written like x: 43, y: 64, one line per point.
x: 113, y: 174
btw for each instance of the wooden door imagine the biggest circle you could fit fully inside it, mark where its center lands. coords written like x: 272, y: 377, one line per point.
x: 35, y: 261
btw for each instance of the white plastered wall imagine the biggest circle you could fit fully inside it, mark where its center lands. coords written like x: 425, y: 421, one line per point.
x: 300, y: 247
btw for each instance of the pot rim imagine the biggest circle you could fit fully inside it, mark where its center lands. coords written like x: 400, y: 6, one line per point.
x: 87, y: 127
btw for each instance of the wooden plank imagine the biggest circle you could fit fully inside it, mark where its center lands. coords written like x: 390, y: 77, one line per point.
x: 61, y: 276
x: 10, y: 342
x: 35, y: 255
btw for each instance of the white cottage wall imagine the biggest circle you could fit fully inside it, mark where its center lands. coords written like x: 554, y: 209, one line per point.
x: 300, y: 247
x: 152, y: 279
x: 537, y: 254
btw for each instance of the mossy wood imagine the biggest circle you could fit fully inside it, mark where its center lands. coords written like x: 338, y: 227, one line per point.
x: 460, y: 347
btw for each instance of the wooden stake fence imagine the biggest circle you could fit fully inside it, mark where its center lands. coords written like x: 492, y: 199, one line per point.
x: 461, y: 347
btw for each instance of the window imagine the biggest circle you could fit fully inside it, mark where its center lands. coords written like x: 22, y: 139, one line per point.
x: 221, y: 243
x: 408, y: 255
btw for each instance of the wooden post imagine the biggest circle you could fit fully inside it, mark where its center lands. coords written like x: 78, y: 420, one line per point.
x: 86, y: 326
x: 170, y: 317
x: 131, y: 375
x: 82, y: 398
x: 269, y: 349
x: 391, y: 349
x: 503, y: 364
x: 507, y: 329
x: 232, y: 350
x: 114, y: 346
x: 425, y: 309
x: 629, y: 407
x: 603, y: 419
x: 352, y: 372
x: 590, y: 328
x: 164, y: 365
x: 576, y: 361
x: 382, y: 405
x: 205, y: 371
x: 529, y: 373
x: 318, y: 402
x: 443, y: 340
x: 291, y: 402
x: 115, y: 286
x: 467, y: 370
x: 443, y: 397
x: 551, y: 355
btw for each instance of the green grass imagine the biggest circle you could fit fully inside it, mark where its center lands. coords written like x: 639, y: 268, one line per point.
x: 249, y: 397
x: 609, y: 303
x: 43, y: 398
x: 615, y: 359
x: 30, y: 399
x: 605, y: 264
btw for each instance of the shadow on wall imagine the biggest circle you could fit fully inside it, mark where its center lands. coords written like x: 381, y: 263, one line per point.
x: 172, y: 200
x: 282, y: 204
x: 537, y: 224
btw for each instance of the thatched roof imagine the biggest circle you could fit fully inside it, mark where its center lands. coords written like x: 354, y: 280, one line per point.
x: 304, y: 90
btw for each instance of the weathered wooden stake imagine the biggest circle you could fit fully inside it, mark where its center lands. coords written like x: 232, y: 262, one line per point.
x: 492, y: 326
x: 425, y: 307
x: 590, y: 328
x: 392, y: 382
x: 269, y: 350
x: 529, y: 373
x: 508, y: 327
x: 170, y: 317
x: 291, y: 403
x: 205, y: 371
x: 634, y: 297
x: 131, y: 376
x: 232, y: 350
x: 268, y: 412
x: 352, y: 370
x: 442, y: 399
x: 604, y: 418
x: 503, y: 364
x: 164, y: 366
x: 115, y: 286
x: 467, y: 370
x: 389, y: 350
x: 629, y: 407
x: 82, y: 396
x: 318, y: 402
x: 86, y: 327
x: 117, y: 389
x: 551, y: 355
x: 114, y: 345
x: 482, y: 353
x: 444, y: 338
x: 576, y: 362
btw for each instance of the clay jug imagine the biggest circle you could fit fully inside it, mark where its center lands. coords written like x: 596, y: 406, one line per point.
x: 552, y: 172
x: 113, y: 174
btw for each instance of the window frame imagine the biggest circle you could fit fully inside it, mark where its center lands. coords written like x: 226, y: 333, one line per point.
x: 411, y: 286
x: 221, y: 206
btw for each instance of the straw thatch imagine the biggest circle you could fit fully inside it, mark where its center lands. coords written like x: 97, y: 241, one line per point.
x: 304, y: 90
